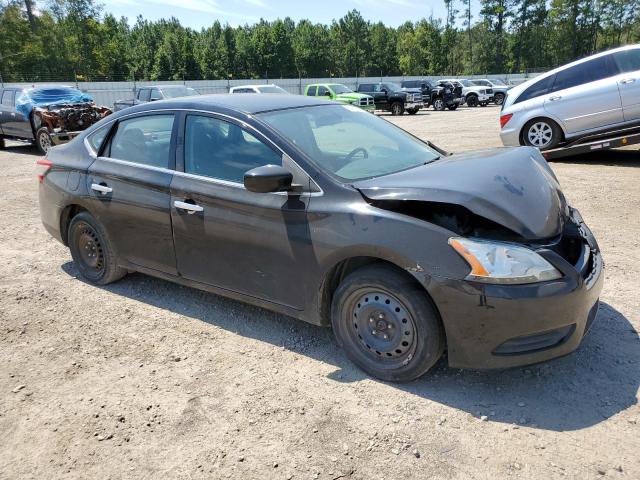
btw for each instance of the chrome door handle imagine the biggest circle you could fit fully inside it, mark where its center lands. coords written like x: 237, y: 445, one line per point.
x: 103, y: 189
x: 553, y: 99
x: 189, y: 207
x: 627, y: 80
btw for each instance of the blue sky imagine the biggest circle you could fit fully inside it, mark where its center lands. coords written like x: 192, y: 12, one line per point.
x: 202, y: 13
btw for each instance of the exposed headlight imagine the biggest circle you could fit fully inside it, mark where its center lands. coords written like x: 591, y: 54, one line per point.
x: 501, y: 262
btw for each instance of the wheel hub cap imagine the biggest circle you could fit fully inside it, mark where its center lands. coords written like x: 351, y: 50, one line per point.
x: 540, y: 134
x: 90, y: 249
x: 383, y: 326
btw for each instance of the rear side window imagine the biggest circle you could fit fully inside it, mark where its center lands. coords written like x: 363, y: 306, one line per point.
x: 311, y: 91
x: 155, y: 94
x: 8, y: 98
x: 628, y: 60
x: 144, y: 95
x: 96, y: 138
x: 222, y: 150
x: 145, y: 140
x: 365, y: 87
x: 539, y: 88
x: 585, y: 72
x: 322, y: 91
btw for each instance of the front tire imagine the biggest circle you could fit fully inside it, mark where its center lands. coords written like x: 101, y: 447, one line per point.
x: 397, y: 108
x: 498, y: 98
x: 91, y: 251
x: 386, y: 324
x: 43, y: 140
x: 472, y: 101
x: 541, y: 133
x: 438, y: 104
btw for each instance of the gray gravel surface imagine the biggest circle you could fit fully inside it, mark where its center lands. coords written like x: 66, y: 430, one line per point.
x: 147, y: 379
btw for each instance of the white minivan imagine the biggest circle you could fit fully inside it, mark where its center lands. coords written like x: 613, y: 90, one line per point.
x: 592, y: 95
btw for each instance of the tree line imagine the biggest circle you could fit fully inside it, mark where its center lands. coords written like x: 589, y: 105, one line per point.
x: 76, y: 39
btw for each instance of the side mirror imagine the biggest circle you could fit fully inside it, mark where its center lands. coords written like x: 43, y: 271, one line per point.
x: 268, y: 178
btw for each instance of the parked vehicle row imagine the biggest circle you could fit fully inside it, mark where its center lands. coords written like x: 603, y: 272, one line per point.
x: 154, y: 93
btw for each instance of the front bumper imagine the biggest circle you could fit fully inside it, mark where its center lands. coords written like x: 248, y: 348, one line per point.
x: 500, y: 326
x: 412, y: 105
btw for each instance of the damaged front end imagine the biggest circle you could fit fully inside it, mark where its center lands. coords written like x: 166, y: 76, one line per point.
x: 65, y: 121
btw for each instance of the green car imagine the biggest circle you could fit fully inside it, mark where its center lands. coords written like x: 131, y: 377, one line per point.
x: 340, y: 93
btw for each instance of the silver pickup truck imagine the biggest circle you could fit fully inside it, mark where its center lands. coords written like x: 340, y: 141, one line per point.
x: 153, y: 93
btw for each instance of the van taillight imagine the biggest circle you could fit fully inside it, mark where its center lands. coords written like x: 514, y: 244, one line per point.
x: 42, y: 167
x: 504, y: 119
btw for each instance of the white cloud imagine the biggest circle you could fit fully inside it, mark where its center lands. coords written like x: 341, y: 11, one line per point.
x: 202, y: 6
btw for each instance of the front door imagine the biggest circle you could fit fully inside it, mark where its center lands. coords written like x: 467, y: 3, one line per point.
x: 129, y: 190
x: 251, y: 243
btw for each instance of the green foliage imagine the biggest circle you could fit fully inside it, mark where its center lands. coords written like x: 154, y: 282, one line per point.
x: 69, y: 39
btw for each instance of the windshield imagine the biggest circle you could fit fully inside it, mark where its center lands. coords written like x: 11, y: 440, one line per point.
x: 499, y: 82
x: 271, y: 89
x: 338, y: 88
x: 179, y: 92
x: 348, y: 142
x: 394, y: 87
x: 467, y: 83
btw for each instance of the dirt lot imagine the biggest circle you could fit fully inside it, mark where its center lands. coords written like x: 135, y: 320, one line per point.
x: 146, y: 379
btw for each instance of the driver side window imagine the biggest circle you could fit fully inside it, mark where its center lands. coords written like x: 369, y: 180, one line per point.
x: 223, y: 150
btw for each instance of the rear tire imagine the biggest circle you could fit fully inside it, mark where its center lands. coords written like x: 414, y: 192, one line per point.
x: 43, y: 140
x: 386, y: 324
x: 541, y: 133
x: 91, y: 251
x: 472, y: 101
x: 397, y: 108
x: 498, y: 98
x: 438, y: 104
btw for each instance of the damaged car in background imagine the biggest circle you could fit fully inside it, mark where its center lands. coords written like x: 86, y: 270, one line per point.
x: 328, y: 214
x: 46, y: 116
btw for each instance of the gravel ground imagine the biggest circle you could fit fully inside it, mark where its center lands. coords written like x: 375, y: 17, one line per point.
x: 145, y: 378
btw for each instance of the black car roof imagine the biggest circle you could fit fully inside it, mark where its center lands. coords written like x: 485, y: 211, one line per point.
x: 249, y: 103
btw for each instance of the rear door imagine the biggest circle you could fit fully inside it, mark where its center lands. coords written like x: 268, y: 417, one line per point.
x: 586, y: 96
x: 628, y: 63
x: 129, y: 189
x: 256, y: 244
x: 12, y: 120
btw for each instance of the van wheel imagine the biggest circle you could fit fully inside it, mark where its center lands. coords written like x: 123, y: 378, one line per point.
x: 397, y: 108
x: 438, y: 104
x: 542, y: 134
x: 472, y: 100
x: 43, y: 140
x: 91, y: 251
x: 386, y: 324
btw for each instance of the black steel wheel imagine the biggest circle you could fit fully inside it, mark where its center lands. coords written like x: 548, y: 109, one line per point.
x: 43, y: 140
x: 387, y: 324
x: 472, y: 101
x: 397, y: 108
x: 91, y: 250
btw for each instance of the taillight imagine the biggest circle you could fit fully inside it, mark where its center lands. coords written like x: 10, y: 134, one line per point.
x: 504, y: 119
x: 42, y: 167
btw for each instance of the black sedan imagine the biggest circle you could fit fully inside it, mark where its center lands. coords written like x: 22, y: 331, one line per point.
x: 328, y: 214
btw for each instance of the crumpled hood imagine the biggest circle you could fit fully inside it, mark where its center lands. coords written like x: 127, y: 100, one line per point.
x: 514, y: 187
